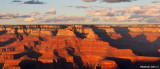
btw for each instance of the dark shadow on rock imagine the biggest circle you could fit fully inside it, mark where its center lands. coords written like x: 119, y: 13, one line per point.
x: 86, y: 25
x: 124, y: 31
x: 77, y: 59
x: 36, y: 43
x: 7, y: 42
x: 98, y: 67
x: 19, y: 55
x: 54, y: 32
x: 34, y: 54
x: 63, y: 26
x: 48, y: 66
x: 62, y: 62
x: 31, y: 64
x: 3, y: 32
x: 1, y: 65
x: 16, y: 32
x: 101, y: 33
x: 38, y: 26
x: 80, y: 35
x: 24, y: 30
x: 139, y: 44
x: 26, y: 48
x: 31, y: 53
x: 146, y: 65
x: 19, y: 36
x: 127, y: 64
x: 40, y: 38
x: 157, y: 43
x: 122, y: 63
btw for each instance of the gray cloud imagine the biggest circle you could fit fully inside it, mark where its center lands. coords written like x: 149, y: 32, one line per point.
x: 148, y: 13
x: 89, y: 7
x: 30, y: 1
x: 109, y: 1
x: 16, y: 1
x: 89, y: 0
x: 10, y: 16
x: 101, y: 12
x: 114, y: 1
x: 33, y: 2
x: 158, y: 1
x: 64, y: 19
x: 154, y: 20
x: 79, y: 6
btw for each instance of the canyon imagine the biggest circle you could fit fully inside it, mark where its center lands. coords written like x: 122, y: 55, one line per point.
x: 79, y: 46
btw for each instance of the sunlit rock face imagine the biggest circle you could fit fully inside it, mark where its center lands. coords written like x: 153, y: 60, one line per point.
x: 79, y: 46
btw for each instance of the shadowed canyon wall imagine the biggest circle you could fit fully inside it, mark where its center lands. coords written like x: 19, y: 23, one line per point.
x: 79, y: 46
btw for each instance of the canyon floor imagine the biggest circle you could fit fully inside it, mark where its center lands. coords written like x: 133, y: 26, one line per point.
x: 79, y: 46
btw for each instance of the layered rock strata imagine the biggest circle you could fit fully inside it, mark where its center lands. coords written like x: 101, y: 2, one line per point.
x: 79, y: 46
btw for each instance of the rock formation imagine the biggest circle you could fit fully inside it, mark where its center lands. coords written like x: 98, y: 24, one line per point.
x: 79, y: 46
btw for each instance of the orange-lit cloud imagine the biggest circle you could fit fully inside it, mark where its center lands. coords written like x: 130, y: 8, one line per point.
x: 146, y: 13
x: 28, y: 19
x: 35, y: 13
x: 52, y: 11
x: 132, y: 13
x: 89, y: 0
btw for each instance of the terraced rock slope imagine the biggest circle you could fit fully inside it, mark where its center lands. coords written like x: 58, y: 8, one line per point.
x: 79, y: 46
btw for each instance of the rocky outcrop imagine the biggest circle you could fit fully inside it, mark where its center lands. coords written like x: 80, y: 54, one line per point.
x: 65, y: 32
x: 79, y: 46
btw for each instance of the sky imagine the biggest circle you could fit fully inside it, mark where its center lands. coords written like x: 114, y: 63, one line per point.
x: 79, y: 12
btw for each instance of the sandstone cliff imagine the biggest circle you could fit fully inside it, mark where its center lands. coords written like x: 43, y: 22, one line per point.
x: 79, y: 46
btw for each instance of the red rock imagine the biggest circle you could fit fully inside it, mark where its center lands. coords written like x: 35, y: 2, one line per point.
x: 12, y: 67
x: 89, y: 51
x: 107, y: 64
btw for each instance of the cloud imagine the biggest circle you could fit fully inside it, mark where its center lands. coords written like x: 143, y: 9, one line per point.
x: 109, y: 1
x: 158, y: 1
x: 35, y: 13
x: 115, y: 1
x: 16, y: 1
x: 89, y: 7
x: 9, y: 16
x: 118, y: 18
x: 154, y: 20
x: 64, y: 19
x: 28, y: 19
x: 132, y: 13
x: 146, y: 11
x: 79, y: 6
x: 33, y: 2
x: 101, y: 12
x: 52, y: 11
x: 89, y: 0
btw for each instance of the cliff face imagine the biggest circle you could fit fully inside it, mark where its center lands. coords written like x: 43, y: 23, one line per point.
x: 79, y: 46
